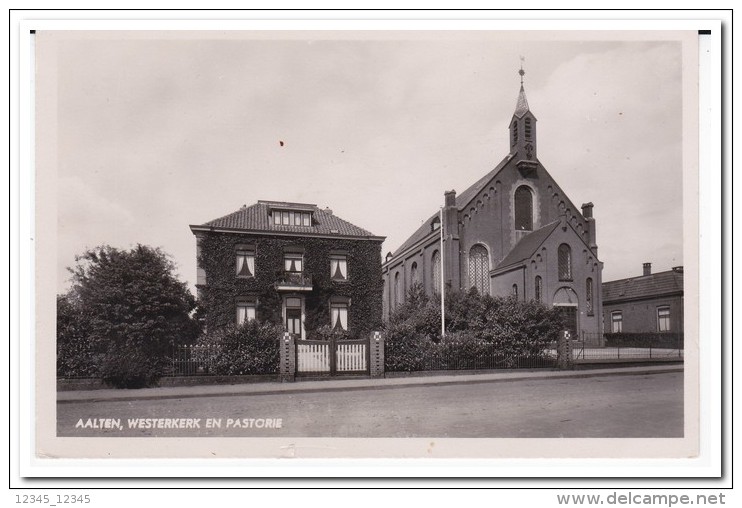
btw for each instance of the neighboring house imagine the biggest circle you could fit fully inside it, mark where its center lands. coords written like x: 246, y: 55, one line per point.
x: 514, y: 232
x: 652, y: 302
x: 290, y: 263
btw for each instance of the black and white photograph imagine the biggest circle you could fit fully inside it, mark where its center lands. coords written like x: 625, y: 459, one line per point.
x: 366, y: 243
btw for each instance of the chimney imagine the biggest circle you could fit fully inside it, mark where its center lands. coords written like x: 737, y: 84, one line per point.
x: 450, y: 198
x: 328, y: 210
x: 647, y: 268
x: 677, y: 269
x: 587, y: 210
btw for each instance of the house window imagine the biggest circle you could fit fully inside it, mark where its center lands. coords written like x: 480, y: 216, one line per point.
x: 436, y: 271
x: 617, y: 321
x: 565, y: 262
x: 523, y: 209
x: 515, y: 291
x: 589, y: 296
x: 339, y: 315
x: 538, y: 288
x: 479, y: 269
x: 293, y: 262
x: 245, y: 265
x: 293, y: 315
x: 245, y: 311
x: 663, y: 319
x: 413, y: 273
x: 338, y: 267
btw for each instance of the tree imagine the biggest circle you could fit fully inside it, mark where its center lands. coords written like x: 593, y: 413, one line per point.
x: 125, y: 311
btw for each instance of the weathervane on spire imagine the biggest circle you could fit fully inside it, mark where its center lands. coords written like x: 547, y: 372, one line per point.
x: 521, y: 71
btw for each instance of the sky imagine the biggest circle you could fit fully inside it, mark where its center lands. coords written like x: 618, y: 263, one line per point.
x: 156, y: 133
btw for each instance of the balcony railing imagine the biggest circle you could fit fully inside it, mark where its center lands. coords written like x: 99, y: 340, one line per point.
x: 294, y: 281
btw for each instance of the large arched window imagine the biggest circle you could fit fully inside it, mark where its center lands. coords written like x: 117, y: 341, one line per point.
x: 523, y: 209
x: 565, y: 262
x: 479, y: 269
x: 436, y: 271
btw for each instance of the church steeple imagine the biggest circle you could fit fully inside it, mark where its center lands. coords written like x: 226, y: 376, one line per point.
x: 523, y: 125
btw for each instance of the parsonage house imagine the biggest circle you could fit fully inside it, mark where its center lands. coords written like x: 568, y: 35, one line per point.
x: 290, y: 263
x: 513, y: 232
x: 651, y: 302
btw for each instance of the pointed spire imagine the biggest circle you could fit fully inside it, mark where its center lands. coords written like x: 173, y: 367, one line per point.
x: 521, y: 107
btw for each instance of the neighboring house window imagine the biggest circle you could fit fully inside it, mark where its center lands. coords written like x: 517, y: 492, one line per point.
x: 663, y: 319
x: 436, y: 271
x: 538, y: 288
x: 515, y: 291
x: 293, y: 262
x: 523, y: 209
x: 245, y: 266
x: 617, y: 321
x: 565, y: 262
x: 339, y: 315
x: 479, y: 269
x: 338, y: 267
x: 589, y: 295
x: 245, y: 311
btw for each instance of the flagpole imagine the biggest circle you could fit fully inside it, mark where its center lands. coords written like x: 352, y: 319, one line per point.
x: 443, y: 283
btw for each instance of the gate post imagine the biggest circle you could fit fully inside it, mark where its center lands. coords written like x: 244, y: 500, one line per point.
x: 376, y: 355
x: 287, y: 357
x: 564, y: 351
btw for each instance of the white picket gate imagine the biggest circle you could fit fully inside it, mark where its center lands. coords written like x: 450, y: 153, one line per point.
x: 331, y: 357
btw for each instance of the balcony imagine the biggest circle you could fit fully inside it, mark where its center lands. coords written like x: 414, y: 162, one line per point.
x: 294, y: 281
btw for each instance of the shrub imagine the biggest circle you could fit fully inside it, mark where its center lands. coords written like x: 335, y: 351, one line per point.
x: 503, y: 331
x: 252, y: 348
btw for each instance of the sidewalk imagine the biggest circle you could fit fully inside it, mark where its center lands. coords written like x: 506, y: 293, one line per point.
x: 326, y: 385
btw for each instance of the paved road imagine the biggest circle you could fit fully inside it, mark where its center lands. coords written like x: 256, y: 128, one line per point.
x: 647, y: 405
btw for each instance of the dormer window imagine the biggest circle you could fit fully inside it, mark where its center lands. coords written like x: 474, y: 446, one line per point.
x: 292, y: 218
x: 435, y: 224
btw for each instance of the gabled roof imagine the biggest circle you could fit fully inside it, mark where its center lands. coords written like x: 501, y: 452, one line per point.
x: 528, y: 245
x: 257, y: 218
x: 643, y: 286
x: 462, y: 200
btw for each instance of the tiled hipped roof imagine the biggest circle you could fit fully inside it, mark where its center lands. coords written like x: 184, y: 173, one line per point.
x: 645, y: 286
x: 257, y: 218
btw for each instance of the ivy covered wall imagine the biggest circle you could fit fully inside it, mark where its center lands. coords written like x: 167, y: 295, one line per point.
x: 218, y: 296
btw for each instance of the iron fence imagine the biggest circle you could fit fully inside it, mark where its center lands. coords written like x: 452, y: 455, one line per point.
x: 621, y: 347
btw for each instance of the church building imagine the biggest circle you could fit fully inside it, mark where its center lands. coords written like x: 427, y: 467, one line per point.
x: 512, y: 233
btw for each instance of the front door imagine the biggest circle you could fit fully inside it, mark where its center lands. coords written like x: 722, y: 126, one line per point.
x: 293, y: 316
x: 569, y: 319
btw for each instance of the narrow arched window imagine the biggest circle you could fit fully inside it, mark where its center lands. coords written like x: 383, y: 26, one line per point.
x: 589, y: 295
x: 436, y: 271
x: 397, y: 291
x: 523, y: 209
x: 565, y: 262
x: 515, y: 291
x: 479, y: 269
x: 538, y: 288
x: 413, y: 273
